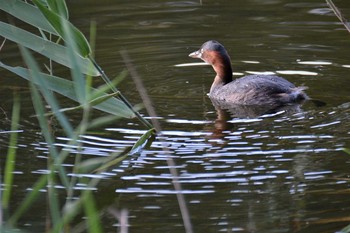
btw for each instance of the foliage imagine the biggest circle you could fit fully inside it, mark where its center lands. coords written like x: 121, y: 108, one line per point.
x: 53, y: 20
x: 50, y: 19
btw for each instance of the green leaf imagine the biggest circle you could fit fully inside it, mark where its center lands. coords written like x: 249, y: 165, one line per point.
x: 29, y: 199
x: 93, y: 218
x: 107, y: 86
x: 36, y: 77
x: 39, y: 106
x: 66, y: 88
x: 11, y: 154
x: 80, y: 84
x: 27, y: 13
x: 346, y: 150
x: 143, y: 141
x: 93, y: 102
x: 90, y: 165
x: 59, y: 7
x: 345, y: 229
x: 58, y: 22
x: 112, y: 162
x: 101, y: 164
x: 53, y: 51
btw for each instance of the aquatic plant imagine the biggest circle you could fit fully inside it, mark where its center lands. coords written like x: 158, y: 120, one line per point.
x: 61, y: 42
x: 51, y: 20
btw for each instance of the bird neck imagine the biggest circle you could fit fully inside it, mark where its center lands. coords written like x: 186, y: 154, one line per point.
x: 223, y: 69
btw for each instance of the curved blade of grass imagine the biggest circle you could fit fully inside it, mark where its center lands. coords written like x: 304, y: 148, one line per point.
x: 29, y: 199
x: 57, y: 23
x: 102, y: 121
x: 11, y: 154
x: 112, y: 162
x: 70, y: 211
x: 121, y: 96
x: 142, y: 142
x: 54, y: 204
x: 346, y: 150
x: 27, y: 13
x: 93, y: 102
x: 36, y: 77
x: 80, y: 84
x: 53, y: 51
x: 89, y: 165
x: 59, y: 7
x: 65, y: 87
x: 107, y: 87
x: 345, y: 229
x: 92, y: 214
x: 40, y: 111
x: 101, y: 164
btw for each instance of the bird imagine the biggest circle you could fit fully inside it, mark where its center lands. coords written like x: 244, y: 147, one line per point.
x: 253, y: 90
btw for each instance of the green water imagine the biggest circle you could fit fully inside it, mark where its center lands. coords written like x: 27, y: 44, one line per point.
x: 284, y: 173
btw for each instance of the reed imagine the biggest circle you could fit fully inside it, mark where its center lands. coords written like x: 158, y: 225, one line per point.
x: 339, y: 15
x: 346, y: 24
x: 171, y: 163
x: 50, y: 18
x: 11, y: 154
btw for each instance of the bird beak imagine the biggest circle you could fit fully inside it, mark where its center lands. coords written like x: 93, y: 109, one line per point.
x: 196, y: 54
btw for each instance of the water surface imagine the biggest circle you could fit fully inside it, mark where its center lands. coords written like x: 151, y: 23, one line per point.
x: 284, y: 172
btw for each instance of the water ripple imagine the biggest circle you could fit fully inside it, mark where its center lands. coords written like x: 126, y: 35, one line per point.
x: 161, y: 191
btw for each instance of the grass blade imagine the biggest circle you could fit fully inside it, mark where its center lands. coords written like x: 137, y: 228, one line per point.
x: 338, y: 13
x: 92, y: 214
x: 66, y: 88
x: 53, y: 51
x: 101, y: 164
x: 59, y: 7
x: 140, y: 144
x: 121, y: 96
x: 98, y: 165
x: 37, y: 78
x: 56, y: 163
x: 27, y: 13
x: 28, y: 201
x: 345, y: 229
x: 11, y: 154
x: 57, y: 23
x: 80, y: 84
x: 91, y: 103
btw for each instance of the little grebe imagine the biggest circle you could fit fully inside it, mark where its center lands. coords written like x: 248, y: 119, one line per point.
x: 248, y: 90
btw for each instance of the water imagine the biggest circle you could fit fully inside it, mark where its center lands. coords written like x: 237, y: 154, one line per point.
x: 277, y: 173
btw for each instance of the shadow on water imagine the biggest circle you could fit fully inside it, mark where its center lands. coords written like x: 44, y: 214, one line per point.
x: 226, y: 111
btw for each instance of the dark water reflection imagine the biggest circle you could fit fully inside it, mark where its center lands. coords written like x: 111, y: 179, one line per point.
x: 282, y: 172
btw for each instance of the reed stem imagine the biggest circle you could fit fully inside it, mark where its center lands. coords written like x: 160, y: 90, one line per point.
x: 120, y: 95
x: 338, y: 13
